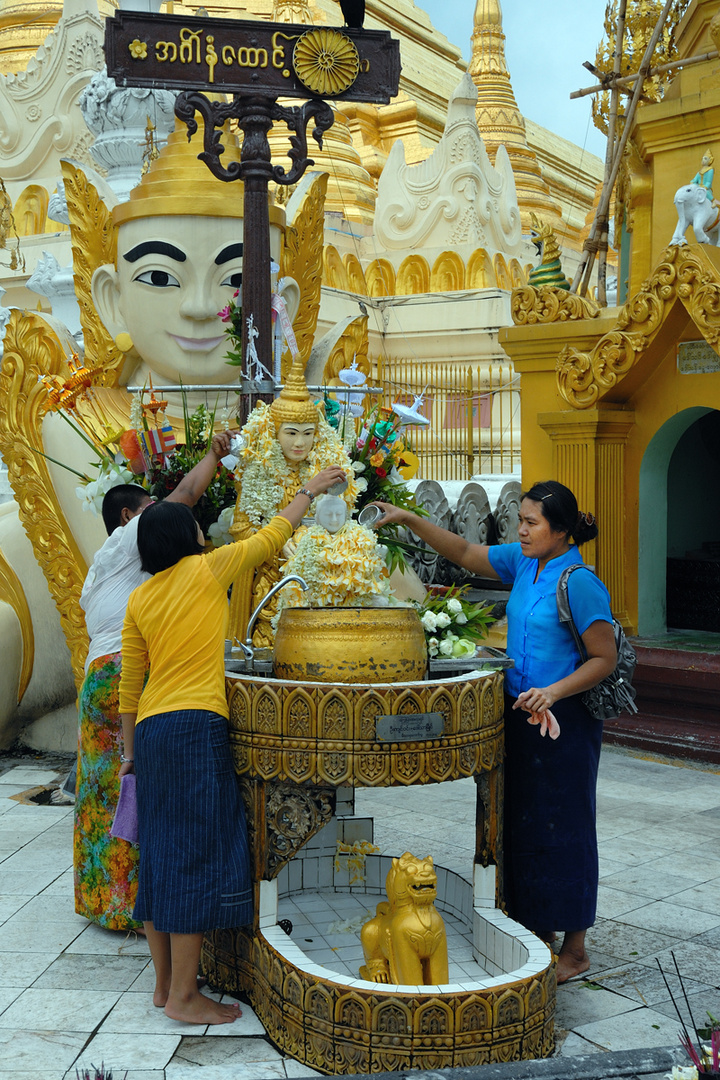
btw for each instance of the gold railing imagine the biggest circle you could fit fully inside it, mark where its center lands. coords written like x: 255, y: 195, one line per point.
x: 474, y: 413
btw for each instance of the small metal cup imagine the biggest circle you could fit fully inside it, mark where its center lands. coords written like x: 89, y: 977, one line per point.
x: 339, y: 488
x: 369, y: 515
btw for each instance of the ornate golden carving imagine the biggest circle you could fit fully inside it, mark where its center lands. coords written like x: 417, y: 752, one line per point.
x: 326, y: 61
x: 292, y: 815
x: 351, y: 345
x: 302, y: 259
x: 406, y: 942
x: 32, y: 349
x: 94, y: 243
x: 547, y: 304
x: 320, y: 733
x: 683, y: 273
x: 11, y: 592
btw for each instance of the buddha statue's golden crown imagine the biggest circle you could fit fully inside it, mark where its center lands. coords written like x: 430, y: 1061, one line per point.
x: 178, y: 183
x: 294, y: 404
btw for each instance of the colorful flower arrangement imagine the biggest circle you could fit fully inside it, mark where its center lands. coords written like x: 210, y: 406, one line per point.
x: 145, y: 453
x: 346, y: 569
x: 453, y: 625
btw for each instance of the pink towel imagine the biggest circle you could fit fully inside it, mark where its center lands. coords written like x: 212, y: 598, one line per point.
x: 548, y: 723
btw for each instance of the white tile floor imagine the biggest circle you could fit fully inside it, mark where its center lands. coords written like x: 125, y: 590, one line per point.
x: 72, y: 995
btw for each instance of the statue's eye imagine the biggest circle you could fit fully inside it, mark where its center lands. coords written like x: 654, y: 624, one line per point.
x: 234, y: 280
x: 160, y: 279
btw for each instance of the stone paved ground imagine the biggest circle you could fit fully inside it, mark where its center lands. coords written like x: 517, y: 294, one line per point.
x: 72, y: 994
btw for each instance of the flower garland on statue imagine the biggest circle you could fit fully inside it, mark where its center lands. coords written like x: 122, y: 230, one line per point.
x: 263, y: 468
x: 346, y: 569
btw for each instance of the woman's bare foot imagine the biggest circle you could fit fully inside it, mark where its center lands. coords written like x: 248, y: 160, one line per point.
x: 201, y: 1010
x: 572, y: 959
x: 161, y: 993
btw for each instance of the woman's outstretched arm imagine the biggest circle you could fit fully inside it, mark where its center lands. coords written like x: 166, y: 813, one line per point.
x: 472, y: 557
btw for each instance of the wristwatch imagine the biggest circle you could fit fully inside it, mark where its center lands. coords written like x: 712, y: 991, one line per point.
x: 304, y: 491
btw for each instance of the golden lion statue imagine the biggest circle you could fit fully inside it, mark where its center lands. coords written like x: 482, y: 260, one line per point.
x: 406, y: 941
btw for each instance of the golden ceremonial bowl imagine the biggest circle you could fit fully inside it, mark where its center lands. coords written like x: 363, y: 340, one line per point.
x: 350, y: 645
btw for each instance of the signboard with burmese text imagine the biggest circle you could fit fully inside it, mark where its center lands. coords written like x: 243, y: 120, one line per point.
x: 238, y: 56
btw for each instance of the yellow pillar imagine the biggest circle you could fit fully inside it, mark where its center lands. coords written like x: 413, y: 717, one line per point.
x: 588, y: 456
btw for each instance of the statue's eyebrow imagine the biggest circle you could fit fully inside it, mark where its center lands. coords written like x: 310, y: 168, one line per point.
x: 154, y: 247
x: 232, y: 251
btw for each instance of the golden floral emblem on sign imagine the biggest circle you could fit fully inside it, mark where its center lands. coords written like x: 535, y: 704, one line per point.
x: 326, y: 61
x: 138, y: 49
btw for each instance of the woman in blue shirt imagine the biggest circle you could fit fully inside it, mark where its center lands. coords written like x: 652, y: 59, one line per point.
x: 550, y: 844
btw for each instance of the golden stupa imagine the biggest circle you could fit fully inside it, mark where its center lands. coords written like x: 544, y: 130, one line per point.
x: 499, y: 118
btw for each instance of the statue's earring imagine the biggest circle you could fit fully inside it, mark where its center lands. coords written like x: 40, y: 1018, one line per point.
x: 124, y: 342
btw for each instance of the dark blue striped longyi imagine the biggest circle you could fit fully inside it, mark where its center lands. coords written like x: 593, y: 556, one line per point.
x: 194, y: 856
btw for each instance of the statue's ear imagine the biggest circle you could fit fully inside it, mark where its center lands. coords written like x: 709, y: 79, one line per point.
x: 289, y: 289
x: 106, y: 298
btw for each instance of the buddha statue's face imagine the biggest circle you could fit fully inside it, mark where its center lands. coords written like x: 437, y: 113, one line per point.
x: 296, y: 440
x: 174, y: 274
x: 331, y: 513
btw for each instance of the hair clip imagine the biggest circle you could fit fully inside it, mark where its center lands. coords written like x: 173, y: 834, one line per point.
x: 548, y: 496
x: 589, y: 519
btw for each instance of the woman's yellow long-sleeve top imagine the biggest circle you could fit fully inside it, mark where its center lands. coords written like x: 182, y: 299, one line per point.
x: 178, y: 621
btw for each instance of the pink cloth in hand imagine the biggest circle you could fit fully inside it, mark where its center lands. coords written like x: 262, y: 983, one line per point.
x: 548, y: 723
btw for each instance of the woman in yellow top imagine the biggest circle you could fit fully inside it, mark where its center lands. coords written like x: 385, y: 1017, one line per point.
x: 194, y: 858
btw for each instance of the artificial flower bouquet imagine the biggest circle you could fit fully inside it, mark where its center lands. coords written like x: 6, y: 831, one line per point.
x: 453, y: 625
x: 144, y: 453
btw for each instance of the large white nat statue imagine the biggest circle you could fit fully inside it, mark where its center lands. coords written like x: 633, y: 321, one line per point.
x: 152, y: 275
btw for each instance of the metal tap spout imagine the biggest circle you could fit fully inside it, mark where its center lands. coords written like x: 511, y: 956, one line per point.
x: 247, y: 645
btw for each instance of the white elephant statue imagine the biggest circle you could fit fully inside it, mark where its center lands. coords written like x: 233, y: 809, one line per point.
x: 694, y: 208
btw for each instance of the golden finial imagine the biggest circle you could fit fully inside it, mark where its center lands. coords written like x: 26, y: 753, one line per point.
x: 294, y: 405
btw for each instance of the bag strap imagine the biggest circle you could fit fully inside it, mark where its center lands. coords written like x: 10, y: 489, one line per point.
x: 562, y: 599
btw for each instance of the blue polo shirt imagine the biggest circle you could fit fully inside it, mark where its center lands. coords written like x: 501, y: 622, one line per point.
x: 542, y: 648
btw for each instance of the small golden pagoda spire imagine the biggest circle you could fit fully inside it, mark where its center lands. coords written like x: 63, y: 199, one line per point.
x: 294, y: 404
x: 499, y: 119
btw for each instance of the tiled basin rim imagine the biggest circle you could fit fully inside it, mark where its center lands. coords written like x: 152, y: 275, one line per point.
x: 339, y: 1024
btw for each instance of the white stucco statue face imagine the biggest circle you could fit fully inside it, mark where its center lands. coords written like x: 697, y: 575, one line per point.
x: 331, y: 513
x: 174, y: 274
x: 296, y: 440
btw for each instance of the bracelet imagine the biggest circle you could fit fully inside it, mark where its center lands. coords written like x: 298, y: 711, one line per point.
x: 127, y: 760
x: 304, y: 491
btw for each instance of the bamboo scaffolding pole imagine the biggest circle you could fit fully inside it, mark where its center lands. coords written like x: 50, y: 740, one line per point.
x: 627, y: 80
x: 609, y: 155
x: 584, y: 270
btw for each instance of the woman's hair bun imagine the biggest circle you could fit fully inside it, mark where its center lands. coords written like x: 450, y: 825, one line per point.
x: 586, y: 528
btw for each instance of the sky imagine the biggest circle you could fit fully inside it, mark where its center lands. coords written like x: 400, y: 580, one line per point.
x: 546, y: 44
